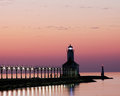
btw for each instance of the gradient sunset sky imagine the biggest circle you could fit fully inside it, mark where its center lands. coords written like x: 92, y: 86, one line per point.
x: 38, y: 32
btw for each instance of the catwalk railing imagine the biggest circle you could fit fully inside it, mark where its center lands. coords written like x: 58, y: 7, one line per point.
x: 21, y: 72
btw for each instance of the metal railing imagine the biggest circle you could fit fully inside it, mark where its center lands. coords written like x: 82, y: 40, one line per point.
x: 21, y: 72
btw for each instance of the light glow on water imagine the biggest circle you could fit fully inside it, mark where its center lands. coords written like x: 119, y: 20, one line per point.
x: 108, y: 87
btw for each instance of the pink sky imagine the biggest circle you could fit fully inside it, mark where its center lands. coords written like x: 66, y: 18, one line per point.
x: 37, y: 32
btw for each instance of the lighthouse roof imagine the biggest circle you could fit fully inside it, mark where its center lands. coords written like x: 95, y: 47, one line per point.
x: 70, y: 64
x: 70, y: 46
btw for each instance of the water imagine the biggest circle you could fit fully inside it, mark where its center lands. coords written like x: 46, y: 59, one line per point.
x: 108, y: 87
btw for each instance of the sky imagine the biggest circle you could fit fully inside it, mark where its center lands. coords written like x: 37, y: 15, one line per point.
x: 38, y: 32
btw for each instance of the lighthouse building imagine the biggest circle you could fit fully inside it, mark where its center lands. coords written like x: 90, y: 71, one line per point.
x: 70, y: 68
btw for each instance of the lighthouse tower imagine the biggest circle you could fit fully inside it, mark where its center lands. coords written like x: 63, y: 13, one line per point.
x: 70, y: 68
x: 70, y: 53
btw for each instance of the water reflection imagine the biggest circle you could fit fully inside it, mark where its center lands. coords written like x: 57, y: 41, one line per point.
x: 100, y: 88
x: 71, y: 89
x: 54, y: 90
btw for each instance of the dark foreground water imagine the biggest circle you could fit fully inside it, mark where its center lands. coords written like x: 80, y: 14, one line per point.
x: 110, y: 87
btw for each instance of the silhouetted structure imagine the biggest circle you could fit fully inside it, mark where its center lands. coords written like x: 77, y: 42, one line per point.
x: 102, y: 72
x: 70, y: 68
x: 21, y: 72
x: 43, y: 76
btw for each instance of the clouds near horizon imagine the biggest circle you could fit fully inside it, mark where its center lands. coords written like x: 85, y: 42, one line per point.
x: 40, y: 30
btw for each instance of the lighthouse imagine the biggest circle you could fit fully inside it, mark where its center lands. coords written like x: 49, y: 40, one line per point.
x: 70, y: 68
x: 70, y: 53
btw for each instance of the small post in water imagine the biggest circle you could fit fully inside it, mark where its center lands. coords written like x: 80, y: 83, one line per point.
x: 102, y: 71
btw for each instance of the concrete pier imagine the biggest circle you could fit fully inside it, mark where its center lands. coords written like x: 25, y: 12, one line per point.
x: 39, y: 76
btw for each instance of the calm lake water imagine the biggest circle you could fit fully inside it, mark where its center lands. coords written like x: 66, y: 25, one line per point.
x: 109, y: 87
